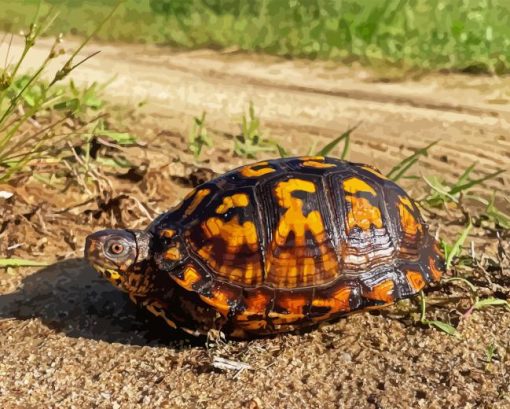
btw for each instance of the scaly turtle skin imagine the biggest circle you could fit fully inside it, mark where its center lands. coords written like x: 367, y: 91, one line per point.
x: 274, y: 246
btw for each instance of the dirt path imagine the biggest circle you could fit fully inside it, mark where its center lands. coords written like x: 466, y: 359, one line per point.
x: 69, y: 339
x: 300, y: 102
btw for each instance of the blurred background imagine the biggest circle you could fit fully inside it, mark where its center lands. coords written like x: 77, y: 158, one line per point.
x: 464, y: 35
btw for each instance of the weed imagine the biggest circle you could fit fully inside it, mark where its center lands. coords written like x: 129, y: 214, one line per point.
x: 443, y: 193
x: 477, y: 302
x: 81, y: 99
x: 251, y: 142
x: 491, y: 352
x: 491, y: 213
x: 198, y: 136
x: 453, y: 254
x: 443, y: 326
x: 28, y: 128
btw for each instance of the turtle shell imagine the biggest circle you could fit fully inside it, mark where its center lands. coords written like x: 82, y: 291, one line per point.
x: 286, y: 243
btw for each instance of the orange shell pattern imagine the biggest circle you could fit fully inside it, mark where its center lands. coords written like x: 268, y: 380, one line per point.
x: 286, y: 243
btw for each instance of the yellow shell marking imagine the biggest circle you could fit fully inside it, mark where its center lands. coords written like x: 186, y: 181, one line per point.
x: 415, y: 280
x: 293, y: 219
x: 355, y: 185
x: 173, y: 254
x: 381, y: 292
x: 197, y: 199
x: 229, y: 202
x: 218, y: 300
x: 235, y: 235
x: 338, y: 302
x: 293, y: 266
x: 361, y: 212
x: 232, y: 232
x: 190, y: 277
x: 409, y: 224
x: 250, y: 172
x: 168, y: 233
x: 434, y: 271
x: 315, y: 162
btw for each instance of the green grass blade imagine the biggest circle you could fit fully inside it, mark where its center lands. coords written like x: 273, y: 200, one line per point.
x: 465, y: 175
x: 491, y: 301
x: 19, y: 262
x: 447, y: 328
x: 282, y: 151
x: 462, y: 280
x: 458, y: 245
x: 436, y: 186
x: 470, y: 184
x: 401, y: 168
x: 345, y: 150
x: 333, y: 144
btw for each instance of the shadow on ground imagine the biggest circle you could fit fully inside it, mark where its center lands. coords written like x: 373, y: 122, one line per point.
x: 70, y: 297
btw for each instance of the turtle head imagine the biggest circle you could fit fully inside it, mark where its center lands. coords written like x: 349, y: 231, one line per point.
x: 121, y: 256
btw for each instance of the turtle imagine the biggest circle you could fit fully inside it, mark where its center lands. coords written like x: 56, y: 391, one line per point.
x: 274, y: 246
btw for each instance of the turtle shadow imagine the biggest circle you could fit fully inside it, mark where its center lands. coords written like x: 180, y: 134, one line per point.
x: 70, y: 297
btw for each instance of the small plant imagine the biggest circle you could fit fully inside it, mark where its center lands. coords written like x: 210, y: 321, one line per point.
x: 442, y: 193
x: 491, y: 352
x: 491, y: 213
x: 28, y: 131
x: 477, y: 302
x: 453, y: 254
x: 251, y: 142
x: 443, y: 326
x: 198, y: 136
x: 79, y: 100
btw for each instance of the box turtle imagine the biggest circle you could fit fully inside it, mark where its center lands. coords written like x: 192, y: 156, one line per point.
x: 274, y: 246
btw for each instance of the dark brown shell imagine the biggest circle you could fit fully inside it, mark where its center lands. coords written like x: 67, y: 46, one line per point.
x: 290, y: 242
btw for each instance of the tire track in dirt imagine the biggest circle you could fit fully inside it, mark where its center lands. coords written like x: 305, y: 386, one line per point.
x: 301, y: 102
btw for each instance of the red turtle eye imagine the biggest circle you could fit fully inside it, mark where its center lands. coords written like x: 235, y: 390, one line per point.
x: 116, y: 248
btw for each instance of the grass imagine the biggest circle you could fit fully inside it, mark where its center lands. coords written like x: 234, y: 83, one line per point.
x: 198, y: 136
x: 401, y: 168
x: 52, y: 131
x: 327, y: 149
x: 466, y: 35
x: 454, y: 257
x: 452, y: 252
x: 47, y: 128
x: 250, y: 141
x: 19, y: 262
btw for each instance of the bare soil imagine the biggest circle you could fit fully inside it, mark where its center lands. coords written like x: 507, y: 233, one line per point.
x: 69, y: 339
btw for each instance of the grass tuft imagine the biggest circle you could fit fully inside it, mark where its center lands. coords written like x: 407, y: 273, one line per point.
x: 41, y: 122
x: 251, y: 142
x: 198, y: 136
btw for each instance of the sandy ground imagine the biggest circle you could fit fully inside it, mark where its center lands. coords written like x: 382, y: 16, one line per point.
x: 69, y: 339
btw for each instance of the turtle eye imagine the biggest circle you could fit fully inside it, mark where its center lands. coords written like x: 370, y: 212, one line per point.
x: 116, y: 248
